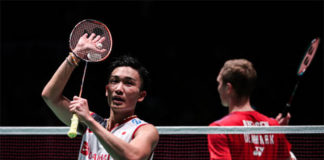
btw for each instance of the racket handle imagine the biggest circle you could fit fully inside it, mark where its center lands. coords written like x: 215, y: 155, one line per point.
x: 285, y: 110
x: 74, y: 126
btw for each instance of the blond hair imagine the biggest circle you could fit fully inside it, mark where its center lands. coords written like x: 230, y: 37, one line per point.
x: 241, y: 74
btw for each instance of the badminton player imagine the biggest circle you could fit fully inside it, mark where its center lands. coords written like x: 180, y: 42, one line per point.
x: 236, y: 80
x: 121, y: 136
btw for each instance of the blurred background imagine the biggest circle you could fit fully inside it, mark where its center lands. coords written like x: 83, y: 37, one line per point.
x: 183, y: 44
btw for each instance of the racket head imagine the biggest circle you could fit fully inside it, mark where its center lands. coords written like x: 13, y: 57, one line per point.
x: 90, y: 26
x: 308, y: 57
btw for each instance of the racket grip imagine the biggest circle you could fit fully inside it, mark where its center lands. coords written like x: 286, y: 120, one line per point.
x: 285, y: 110
x: 74, y: 126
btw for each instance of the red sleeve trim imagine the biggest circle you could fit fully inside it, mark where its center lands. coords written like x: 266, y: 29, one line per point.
x: 137, y: 129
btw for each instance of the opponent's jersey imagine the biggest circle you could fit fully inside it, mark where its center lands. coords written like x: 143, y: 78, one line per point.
x: 91, y: 148
x: 247, y: 146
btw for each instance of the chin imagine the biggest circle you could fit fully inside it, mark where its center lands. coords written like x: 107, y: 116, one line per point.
x: 117, y: 106
x: 113, y: 106
x: 225, y: 105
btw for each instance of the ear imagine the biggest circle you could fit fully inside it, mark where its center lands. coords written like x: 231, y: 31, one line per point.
x: 228, y: 88
x: 106, y: 90
x: 142, y: 96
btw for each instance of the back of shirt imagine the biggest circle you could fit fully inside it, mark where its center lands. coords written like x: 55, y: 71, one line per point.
x: 247, y: 146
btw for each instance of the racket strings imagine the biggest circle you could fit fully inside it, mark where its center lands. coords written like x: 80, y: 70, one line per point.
x: 89, y: 27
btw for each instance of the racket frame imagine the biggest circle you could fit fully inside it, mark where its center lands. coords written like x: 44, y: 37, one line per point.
x: 96, y: 22
x: 309, y: 56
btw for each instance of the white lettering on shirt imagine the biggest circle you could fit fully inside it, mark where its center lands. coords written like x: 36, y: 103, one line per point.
x: 258, y: 138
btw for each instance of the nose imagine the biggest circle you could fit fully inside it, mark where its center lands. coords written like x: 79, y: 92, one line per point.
x: 119, y: 89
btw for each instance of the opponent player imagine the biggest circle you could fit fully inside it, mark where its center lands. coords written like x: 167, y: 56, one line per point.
x: 122, y: 135
x: 236, y: 80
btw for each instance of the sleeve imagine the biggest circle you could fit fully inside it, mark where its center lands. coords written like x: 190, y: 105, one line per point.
x: 82, y: 127
x: 218, y: 147
x: 98, y: 118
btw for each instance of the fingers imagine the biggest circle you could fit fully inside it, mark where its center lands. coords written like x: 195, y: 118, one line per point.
x: 79, y: 100
x: 287, y: 118
x: 102, y: 50
x: 280, y: 119
x: 288, y: 115
x: 101, y: 39
x: 283, y: 120
x: 92, y: 44
x: 76, y: 98
x: 92, y: 36
x: 85, y: 35
x: 278, y: 116
x: 78, y: 104
x: 96, y: 39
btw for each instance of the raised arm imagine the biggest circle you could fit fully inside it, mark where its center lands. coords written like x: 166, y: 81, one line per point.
x: 52, y: 92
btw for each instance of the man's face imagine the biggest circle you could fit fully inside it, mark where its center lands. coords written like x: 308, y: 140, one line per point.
x: 222, y: 90
x: 123, y: 89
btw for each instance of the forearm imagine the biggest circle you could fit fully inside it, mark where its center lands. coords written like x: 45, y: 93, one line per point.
x: 115, y: 146
x: 52, y: 92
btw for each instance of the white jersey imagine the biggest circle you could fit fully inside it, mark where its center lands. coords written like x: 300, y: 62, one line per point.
x: 91, y: 148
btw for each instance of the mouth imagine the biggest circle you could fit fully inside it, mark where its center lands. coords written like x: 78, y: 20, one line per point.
x: 117, y: 100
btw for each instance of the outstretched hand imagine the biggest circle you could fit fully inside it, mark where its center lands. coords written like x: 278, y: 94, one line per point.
x: 91, y: 43
x: 283, y: 121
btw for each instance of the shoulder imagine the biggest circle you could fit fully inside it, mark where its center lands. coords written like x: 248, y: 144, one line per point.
x: 143, y: 128
x: 146, y: 128
x: 229, y: 120
x: 147, y: 132
x: 262, y: 117
x: 102, y: 121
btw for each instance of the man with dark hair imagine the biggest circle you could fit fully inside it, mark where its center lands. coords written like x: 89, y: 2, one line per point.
x: 126, y: 60
x: 236, y: 81
x: 121, y: 136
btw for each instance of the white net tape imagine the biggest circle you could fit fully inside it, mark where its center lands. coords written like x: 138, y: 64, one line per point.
x: 165, y: 130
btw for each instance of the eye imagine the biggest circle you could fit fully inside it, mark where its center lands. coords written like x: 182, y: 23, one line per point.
x: 129, y: 83
x: 113, y: 80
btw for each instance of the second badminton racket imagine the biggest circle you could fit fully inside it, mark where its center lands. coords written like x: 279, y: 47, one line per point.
x: 308, y: 57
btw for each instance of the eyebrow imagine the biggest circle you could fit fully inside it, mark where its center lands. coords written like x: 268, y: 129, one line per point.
x: 125, y: 78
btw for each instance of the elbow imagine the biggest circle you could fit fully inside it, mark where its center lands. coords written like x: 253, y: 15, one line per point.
x: 138, y: 157
x: 132, y: 156
x: 45, y: 95
x: 135, y: 158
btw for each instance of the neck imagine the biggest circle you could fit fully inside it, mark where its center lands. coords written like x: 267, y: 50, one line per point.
x: 117, y: 118
x: 242, y: 104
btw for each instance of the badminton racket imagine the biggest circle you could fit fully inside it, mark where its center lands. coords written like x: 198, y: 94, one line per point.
x: 96, y: 42
x: 308, y: 57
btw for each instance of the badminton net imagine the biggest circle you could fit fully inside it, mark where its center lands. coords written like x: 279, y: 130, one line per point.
x: 176, y: 142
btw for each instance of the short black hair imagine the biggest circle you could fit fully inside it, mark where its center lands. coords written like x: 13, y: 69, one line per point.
x: 129, y: 61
